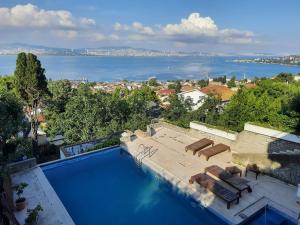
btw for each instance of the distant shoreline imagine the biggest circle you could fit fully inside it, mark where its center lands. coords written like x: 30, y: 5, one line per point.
x: 267, y: 63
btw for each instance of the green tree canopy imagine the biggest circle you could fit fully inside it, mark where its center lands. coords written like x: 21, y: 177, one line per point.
x: 11, y: 117
x: 85, y: 115
x: 231, y: 82
x: 31, y: 85
x: 203, y: 83
x: 285, y: 77
x: 152, y: 82
x: 8, y: 83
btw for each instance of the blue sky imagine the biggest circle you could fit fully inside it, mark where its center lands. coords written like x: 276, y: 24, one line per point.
x: 270, y: 26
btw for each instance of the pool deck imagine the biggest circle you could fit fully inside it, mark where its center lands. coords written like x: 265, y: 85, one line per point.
x: 40, y: 191
x: 172, y: 162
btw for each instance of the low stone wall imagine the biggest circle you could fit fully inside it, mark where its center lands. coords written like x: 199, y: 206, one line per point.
x: 250, y: 142
x: 173, y: 127
x: 272, y: 133
x: 22, y: 165
x: 253, y: 147
x: 196, y: 133
x: 285, y: 167
x: 203, y: 128
x: 270, y: 150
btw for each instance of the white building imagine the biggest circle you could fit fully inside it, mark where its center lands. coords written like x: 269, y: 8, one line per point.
x: 196, y: 96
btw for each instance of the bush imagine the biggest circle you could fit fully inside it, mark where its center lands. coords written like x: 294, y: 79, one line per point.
x: 33, y: 215
x: 110, y: 142
x: 19, y: 149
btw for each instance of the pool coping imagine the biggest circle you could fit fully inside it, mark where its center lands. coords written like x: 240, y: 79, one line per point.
x: 187, y: 189
x: 153, y: 167
x: 51, y: 194
x: 180, y: 184
x: 78, y: 155
x: 53, y: 197
x: 262, y: 203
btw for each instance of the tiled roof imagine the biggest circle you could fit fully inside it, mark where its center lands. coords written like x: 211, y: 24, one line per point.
x: 187, y: 88
x: 166, y: 92
x: 250, y: 85
x: 225, y: 92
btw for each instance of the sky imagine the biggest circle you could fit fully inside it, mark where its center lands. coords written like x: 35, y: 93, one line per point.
x: 215, y: 26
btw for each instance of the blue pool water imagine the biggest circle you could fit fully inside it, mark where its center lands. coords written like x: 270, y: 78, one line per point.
x: 108, y: 188
x: 270, y: 216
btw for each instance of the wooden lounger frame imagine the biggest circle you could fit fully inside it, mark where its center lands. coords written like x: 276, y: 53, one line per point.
x: 238, y: 183
x: 198, y: 145
x: 216, y: 188
x: 211, y: 151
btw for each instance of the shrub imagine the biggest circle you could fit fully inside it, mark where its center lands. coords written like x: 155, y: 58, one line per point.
x: 110, y: 142
x: 33, y: 215
x: 19, y: 189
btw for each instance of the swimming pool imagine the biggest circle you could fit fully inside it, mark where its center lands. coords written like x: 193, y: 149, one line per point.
x: 270, y: 216
x: 109, y: 188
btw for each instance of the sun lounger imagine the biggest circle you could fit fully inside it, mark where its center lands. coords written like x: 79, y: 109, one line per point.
x: 198, y: 145
x: 238, y: 183
x: 211, y: 151
x: 215, y: 187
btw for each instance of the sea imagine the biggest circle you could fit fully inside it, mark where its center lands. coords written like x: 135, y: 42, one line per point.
x: 96, y: 68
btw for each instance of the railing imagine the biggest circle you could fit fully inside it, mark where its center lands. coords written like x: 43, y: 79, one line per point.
x: 81, y: 147
x: 145, y: 152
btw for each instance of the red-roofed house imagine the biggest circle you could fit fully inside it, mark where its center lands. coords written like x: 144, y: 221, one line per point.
x: 224, y: 92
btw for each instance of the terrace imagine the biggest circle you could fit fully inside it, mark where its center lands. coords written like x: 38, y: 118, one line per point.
x: 170, y: 160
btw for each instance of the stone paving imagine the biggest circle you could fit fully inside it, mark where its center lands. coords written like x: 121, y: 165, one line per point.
x: 171, y: 161
x: 40, y: 191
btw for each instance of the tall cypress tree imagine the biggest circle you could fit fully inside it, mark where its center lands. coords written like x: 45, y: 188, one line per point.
x: 31, y: 85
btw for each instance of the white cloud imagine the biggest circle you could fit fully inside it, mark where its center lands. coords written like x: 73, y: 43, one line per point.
x: 203, y: 29
x: 139, y: 28
x: 99, y: 37
x: 121, y: 27
x: 31, y: 16
x: 87, y: 22
x: 61, y: 25
x: 65, y: 34
x: 193, y: 29
x: 193, y: 25
x: 135, y: 27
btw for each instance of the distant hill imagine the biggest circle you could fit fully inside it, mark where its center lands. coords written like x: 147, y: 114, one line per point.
x: 15, y: 48
x: 285, y: 60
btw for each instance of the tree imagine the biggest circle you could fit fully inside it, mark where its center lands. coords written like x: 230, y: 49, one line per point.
x: 209, y: 111
x: 203, y: 83
x: 7, y: 83
x: 240, y: 110
x: 152, y: 82
x: 177, y: 86
x: 285, y: 77
x: 220, y: 79
x: 177, y: 108
x: 31, y: 86
x: 231, y: 82
x: 11, y: 118
x: 85, y: 116
x: 171, y: 86
x: 61, y: 92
